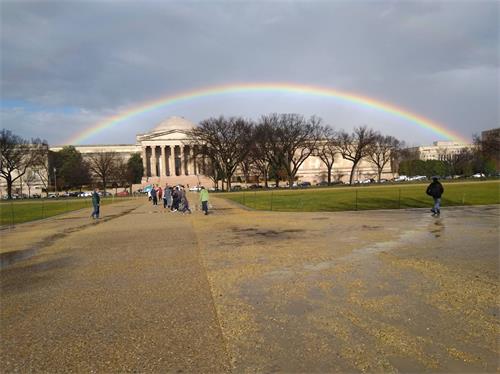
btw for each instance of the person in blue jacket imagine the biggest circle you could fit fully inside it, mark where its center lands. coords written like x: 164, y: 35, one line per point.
x: 96, y: 202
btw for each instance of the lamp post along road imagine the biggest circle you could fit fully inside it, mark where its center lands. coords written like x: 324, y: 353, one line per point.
x: 55, y: 182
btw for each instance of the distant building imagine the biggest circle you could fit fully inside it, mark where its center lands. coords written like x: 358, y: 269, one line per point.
x: 440, y: 150
x: 491, y: 134
x: 491, y: 139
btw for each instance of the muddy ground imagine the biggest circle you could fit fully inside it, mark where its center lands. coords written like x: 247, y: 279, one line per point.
x: 246, y: 291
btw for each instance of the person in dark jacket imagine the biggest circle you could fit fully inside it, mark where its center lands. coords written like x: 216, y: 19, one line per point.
x: 154, y: 195
x: 435, y: 190
x: 175, y: 199
x: 96, y: 202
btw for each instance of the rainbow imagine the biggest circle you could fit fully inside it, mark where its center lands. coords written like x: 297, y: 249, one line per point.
x: 289, y: 88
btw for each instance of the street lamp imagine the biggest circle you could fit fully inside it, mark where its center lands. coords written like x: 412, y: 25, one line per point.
x: 55, y: 182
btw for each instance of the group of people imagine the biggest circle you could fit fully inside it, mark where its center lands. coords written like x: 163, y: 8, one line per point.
x: 175, y: 199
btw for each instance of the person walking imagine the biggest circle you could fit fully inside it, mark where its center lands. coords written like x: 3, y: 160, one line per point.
x: 154, y: 196
x: 160, y: 193
x: 435, y: 190
x: 175, y: 199
x: 167, y: 197
x: 204, y: 199
x: 185, y: 202
x: 96, y: 202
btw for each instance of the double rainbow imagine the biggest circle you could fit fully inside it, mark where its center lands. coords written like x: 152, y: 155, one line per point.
x: 289, y: 88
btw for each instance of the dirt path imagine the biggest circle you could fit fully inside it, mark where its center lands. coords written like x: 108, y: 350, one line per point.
x: 127, y: 294
x: 248, y: 291
x: 382, y: 291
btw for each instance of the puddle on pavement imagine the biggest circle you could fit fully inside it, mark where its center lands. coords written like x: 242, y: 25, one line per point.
x: 272, y: 234
x: 437, y: 228
x: 32, y: 275
x: 368, y: 227
x: 8, y: 258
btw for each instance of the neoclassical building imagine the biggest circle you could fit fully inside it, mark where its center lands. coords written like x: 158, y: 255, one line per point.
x: 166, y: 153
x: 168, y: 158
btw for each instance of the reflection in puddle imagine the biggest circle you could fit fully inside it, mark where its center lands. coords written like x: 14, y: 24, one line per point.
x: 437, y: 228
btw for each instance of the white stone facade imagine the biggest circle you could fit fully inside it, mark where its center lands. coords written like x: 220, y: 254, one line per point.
x: 441, y: 150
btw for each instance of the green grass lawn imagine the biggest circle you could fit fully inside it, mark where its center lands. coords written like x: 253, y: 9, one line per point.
x: 18, y: 211
x: 367, y: 197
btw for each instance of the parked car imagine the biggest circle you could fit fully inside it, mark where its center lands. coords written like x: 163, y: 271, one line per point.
x: 321, y: 184
x: 304, y: 184
x: 367, y: 181
x: 254, y: 186
x: 236, y: 188
x: 478, y: 175
x: 401, y: 178
x: 122, y: 193
x: 418, y: 178
x: 195, y: 189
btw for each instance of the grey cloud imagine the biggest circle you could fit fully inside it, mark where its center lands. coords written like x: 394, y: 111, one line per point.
x: 106, y: 55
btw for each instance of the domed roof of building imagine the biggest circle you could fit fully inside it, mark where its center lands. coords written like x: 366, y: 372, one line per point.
x: 174, y: 123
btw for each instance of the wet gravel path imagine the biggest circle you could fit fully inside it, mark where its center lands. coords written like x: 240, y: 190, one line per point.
x: 124, y: 295
x: 246, y: 291
x: 378, y: 291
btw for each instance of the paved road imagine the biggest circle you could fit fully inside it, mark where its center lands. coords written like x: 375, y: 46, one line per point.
x: 247, y: 291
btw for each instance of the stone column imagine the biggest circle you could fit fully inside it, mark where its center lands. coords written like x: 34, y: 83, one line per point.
x: 181, y: 156
x: 187, y: 152
x: 153, y: 161
x: 171, y: 161
x: 144, y: 162
x: 195, y: 167
x: 162, y: 161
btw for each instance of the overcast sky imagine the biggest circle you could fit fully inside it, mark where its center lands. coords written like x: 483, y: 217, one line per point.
x: 66, y: 65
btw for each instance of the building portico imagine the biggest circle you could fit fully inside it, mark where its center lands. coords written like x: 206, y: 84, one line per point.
x: 169, y: 160
x: 167, y: 155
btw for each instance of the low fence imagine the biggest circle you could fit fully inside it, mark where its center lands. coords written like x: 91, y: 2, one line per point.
x: 341, y: 199
x: 19, y: 211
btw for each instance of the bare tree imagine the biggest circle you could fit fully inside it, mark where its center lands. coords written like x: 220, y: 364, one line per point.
x: 17, y: 155
x: 41, y: 167
x: 291, y: 139
x: 102, y: 164
x: 30, y: 178
x: 261, y: 151
x: 356, y: 146
x: 327, y: 149
x: 381, y: 150
x: 225, y: 141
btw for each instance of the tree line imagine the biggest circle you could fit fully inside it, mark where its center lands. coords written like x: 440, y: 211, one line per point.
x: 31, y: 162
x: 271, y: 148
x: 275, y: 147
